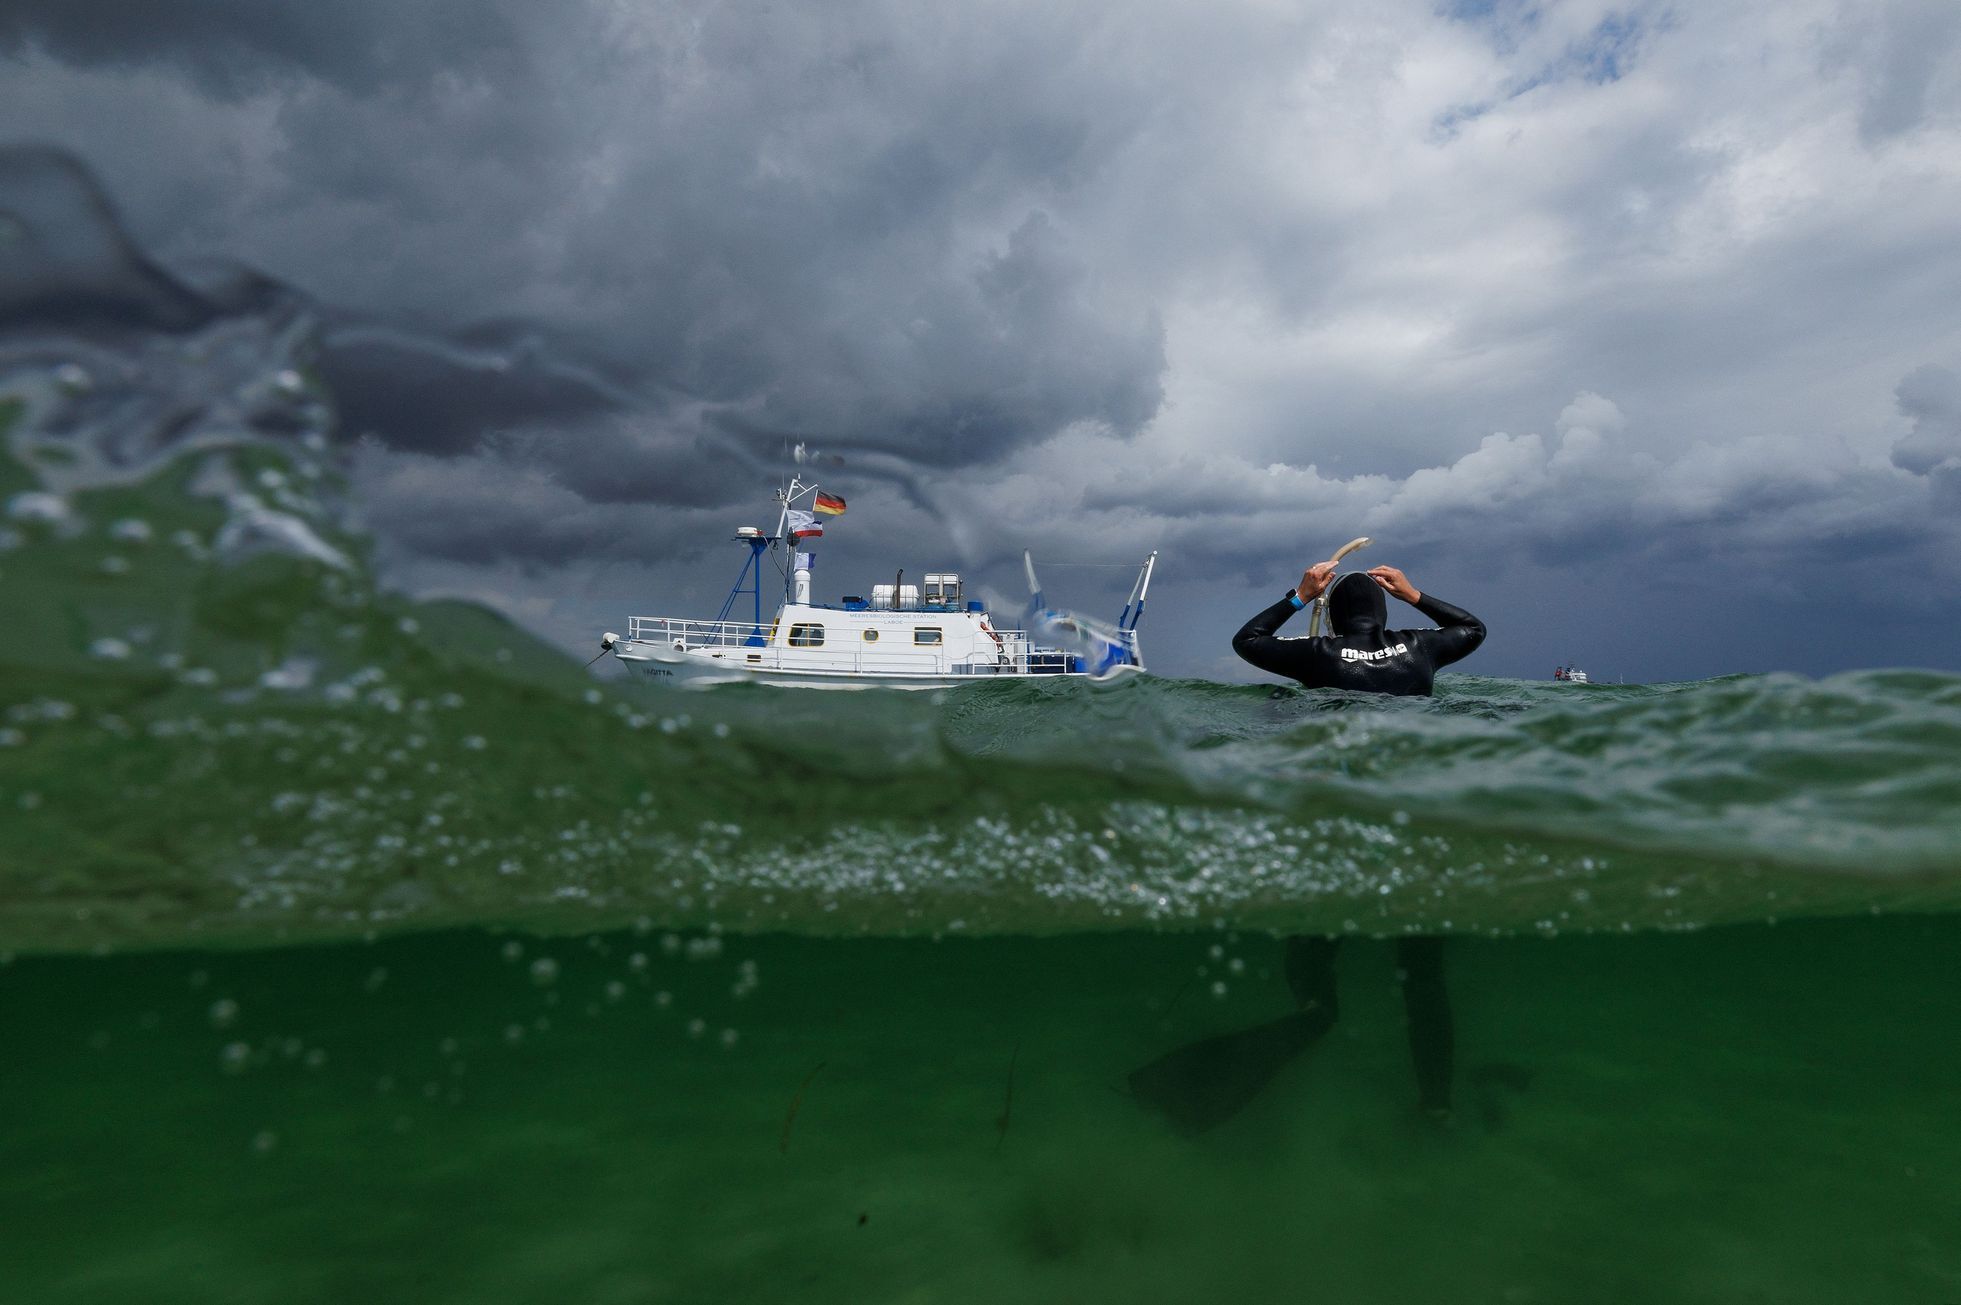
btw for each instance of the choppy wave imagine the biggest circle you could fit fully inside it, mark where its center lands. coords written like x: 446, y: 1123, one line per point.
x: 373, y: 801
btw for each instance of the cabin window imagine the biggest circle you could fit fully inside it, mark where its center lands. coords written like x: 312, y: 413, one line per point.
x: 871, y: 636
x: 806, y: 636
x: 926, y: 634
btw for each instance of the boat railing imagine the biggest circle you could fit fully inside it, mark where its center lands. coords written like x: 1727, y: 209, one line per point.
x: 680, y: 633
x: 1016, y: 653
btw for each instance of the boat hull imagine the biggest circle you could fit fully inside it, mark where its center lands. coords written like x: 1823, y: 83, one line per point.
x: 702, y: 668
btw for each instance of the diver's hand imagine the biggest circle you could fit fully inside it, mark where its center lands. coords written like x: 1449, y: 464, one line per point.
x: 1313, y: 581
x: 1396, y: 583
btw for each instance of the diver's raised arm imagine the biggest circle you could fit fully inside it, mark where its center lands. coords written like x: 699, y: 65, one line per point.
x: 1313, y: 581
x: 1447, y: 615
x: 1396, y: 583
x: 1255, y: 641
x: 1458, y: 634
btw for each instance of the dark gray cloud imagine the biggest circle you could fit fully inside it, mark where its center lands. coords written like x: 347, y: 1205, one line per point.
x: 765, y: 211
x: 66, y: 262
x: 233, y: 48
x: 1900, y: 51
x: 436, y: 395
x: 1930, y: 398
x: 499, y: 511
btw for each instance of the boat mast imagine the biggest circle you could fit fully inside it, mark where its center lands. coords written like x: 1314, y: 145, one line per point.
x: 796, y: 491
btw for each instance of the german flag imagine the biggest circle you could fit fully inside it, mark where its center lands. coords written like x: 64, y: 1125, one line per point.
x: 829, y: 504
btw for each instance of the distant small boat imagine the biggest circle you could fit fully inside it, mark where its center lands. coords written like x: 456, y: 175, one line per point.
x: 1570, y: 675
x: 901, y: 636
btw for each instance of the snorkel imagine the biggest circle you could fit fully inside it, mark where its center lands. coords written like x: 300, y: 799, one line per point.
x: 1316, y: 617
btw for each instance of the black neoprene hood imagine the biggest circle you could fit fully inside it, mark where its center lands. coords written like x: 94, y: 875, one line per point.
x: 1356, y: 606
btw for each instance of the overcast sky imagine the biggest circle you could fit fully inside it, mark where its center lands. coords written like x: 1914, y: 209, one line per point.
x: 1633, y: 328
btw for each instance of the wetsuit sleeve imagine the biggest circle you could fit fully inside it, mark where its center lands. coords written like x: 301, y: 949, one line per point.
x: 1256, y: 642
x: 1457, y: 636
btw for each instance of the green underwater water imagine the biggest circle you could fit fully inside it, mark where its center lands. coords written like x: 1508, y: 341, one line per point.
x: 1746, y: 1114
x: 363, y: 948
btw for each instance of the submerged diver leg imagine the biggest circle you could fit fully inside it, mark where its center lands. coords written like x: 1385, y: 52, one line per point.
x: 1310, y: 966
x: 1202, y: 1084
x: 1432, y: 1037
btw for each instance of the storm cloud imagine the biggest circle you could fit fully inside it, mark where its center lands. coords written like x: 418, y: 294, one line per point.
x: 1574, y: 295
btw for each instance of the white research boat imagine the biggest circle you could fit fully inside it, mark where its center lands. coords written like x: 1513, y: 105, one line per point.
x: 900, y: 635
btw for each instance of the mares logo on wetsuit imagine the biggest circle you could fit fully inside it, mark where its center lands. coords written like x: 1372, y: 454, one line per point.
x: 1358, y: 655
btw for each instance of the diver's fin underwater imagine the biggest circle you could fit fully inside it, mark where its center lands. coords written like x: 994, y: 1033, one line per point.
x: 1203, y: 1084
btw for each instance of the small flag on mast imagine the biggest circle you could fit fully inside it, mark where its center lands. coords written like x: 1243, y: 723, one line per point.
x: 802, y: 525
x: 829, y: 504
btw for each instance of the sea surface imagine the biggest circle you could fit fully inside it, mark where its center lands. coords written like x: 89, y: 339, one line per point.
x: 360, y: 949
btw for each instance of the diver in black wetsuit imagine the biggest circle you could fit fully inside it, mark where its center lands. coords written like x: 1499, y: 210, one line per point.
x: 1206, y: 1083
x: 1360, y: 654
